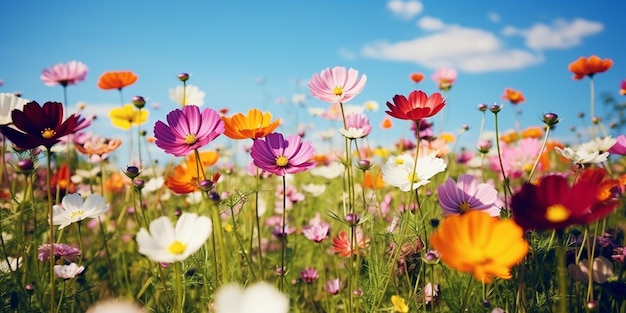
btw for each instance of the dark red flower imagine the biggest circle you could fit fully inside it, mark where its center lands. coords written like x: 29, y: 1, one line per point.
x: 418, y: 106
x: 554, y: 204
x: 36, y: 126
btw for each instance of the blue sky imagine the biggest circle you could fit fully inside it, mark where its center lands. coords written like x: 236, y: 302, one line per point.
x: 228, y: 45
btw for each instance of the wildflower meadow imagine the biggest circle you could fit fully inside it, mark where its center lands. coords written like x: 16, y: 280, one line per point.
x: 278, y: 221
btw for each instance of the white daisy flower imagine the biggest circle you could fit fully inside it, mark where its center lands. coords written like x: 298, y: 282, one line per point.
x: 68, y: 271
x: 398, y: 171
x: 8, y: 103
x: 600, y: 145
x: 260, y: 297
x: 72, y: 209
x: 582, y: 156
x: 193, y: 95
x: 166, y: 243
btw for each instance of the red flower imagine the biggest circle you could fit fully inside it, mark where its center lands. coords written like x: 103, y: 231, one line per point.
x: 554, y: 204
x: 589, y: 66
x: 418, y: 106
x: 41, y: 126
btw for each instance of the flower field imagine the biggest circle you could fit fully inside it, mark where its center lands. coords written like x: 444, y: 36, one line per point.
x: 521, y: 223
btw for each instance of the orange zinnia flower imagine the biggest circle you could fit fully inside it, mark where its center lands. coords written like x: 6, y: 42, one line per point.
x: 513, y: 95
x: 589, y: 66
x: 417, y: 77
x: 477, y: 243
x: 255, y: 125
x: 185, y: 177
x: 116, y: 80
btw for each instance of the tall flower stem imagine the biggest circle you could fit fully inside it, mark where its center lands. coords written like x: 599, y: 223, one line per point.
x: 562, y: 273
x: 178, y: 287
x: 283, y: 242
x: 217, y: 234
x: 258, y: 221
x: 592, y: 103
x: 51, y: 220
x: 504, y: 178
x: 543, y: 148
x: 139, y: 139
x: 349, y: 187
x: 467, y: 294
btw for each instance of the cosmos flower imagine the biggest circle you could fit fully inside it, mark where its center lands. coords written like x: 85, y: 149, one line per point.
x: 59, y: 250
x: 598, y: 144
x: 514, y: 96
x: 357, y: 126
x: 193, y: 95
x: 316, y: 233
x: 126, y: 116
x: 166, y: 243
x: 398, y: 171
x: 254, y: 125
x: 477, y: 243
x: 8, y: 103
x: 333, y: 286
x: 184, y: 179
x: 97, y: 145
x: 309, y: 275
x: 39, y: 125
x: 68, y: 271
x: 188, y: 130
x: 582, y: 157
x: 416, y: 77
x: 74, y: 210
x: 620, y: 145
x: 602, y: 269
x: 280, y: 156
x: 64, y: 74
x: 341, y: 244
x: 116, y: 80
x: 399, y: 305
x: 554, y: 204
x: 337, y: 84
x: 622, y: 88
x: 331, y: 171
x: 444, y: 78
x: 589, y: 66
x: 386, y: 123
x: 418, y: 106
x: 259, y: 297
x: 467, y: 194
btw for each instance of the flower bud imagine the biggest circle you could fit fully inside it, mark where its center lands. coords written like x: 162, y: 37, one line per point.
x: 132, y: 171
x: 465, y: 127
x: 596, y: 120
x: 482, y: 107
x: 364, y: 165
x: 205, y: 185
x: 139, y: 184
x: 581, y: 114
x: 352, y: 219
x: 484, y: 146
x: 26, y: 165
x: 495, y: 108
x: 550, y: 119
x: 139, y: 102
x: 183, y: 77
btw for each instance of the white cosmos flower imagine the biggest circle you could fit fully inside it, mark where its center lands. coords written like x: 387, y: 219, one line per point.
x: 330, y: 171
x: 600, y: 145
x: 166, y: 243
x: 602, y: 269
x: 11, y: 266
x: 260, y: 297
x: 398, y: 171
x: 315, y: 190
x: 579, y: 156
x: 72, y: 209
x: 68, y: 271
x: 8, y: 103
x: 193, y: 95
x: 115, y: 306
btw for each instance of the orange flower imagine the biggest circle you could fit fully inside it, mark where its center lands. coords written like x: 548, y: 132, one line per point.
x: 116, y: 80
x: 509, y: 137
x: 513, y: 95
x: 545, y: 159
x: 61, y: 179
x: 386, y: 124
x: 477, y: 243
x: 116, y: 182
x: 589, y: 66
x: 373, y: 182
x: 97, y: 145
x: 417, y: 77
x: 185, y: 177
x: 341, y: 244
x: 255, y: 125
x: 532, y: 132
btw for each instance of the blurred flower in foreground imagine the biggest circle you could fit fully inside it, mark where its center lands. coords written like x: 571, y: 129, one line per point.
x: 589, y: 66
x: 188, y: 130
x: 416, y: 77
x: 115, y: 306
x: 167, y: 244
x: 399, y: 172
x: 41, y: 125
x: 622, y: 88
x: 399, y: 305
x: 193, y: 95
x: 337, y: 84
x: 554, y: 204
x: 478, y: 243
x: 280, y: 156
x: 255, y: 125
x: 601, y: 271
x: 444, y: 78
x: 467, y: 194
x: 74, y: 210
x: 260, y: 297
x: 68, y: 271
x: 64, y: 74
x: 620, y: 145
x: 8, y: 103
x: 127, y: 116
x: 514, y: 96
x: 418, y: 106
x: 116, y: 80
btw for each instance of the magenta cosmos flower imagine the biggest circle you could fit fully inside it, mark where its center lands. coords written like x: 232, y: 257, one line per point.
x: 337, y: 84
x: 620, y: 146
x: 280, y: 156
x: 64, y: 74
x: 188, y: 130
x: 467, y: 194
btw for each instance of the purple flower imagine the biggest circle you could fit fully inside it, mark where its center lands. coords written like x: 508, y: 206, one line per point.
x: 333, y: 286
x: 431, y: 292
x: 467, y: 194
x: 619, y: 254
x: 64, y: 74
x: 316, y: 233
x: 188, y: 130
x: 309, y: 275
x: 280, y: 156
x: 620, y: 146
x: 60, y: 250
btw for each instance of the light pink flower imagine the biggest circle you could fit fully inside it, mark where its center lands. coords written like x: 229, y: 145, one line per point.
x: 357, y: 126
x: 337, y: 84
x: 316, y: 233
x: 64, y: 74
x: 445, y: 78
x: 68, y: 271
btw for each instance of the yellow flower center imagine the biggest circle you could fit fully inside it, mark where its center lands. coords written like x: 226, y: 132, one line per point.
x: 191, y: 139
x: 48, y: 133
x: 282, y: 160
x: 77, y: 214
x: 399, y: 161
x: 464, y: 206
x: 338, y: 91
x: 557, y: 213
x: 413, y: 178
x: 177, y: 247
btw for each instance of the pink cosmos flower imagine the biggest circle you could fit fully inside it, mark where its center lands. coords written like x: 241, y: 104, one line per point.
x: 445, y: 78
x: 467, y: 194
x: 64, y: 74
x: 357, y: 126
x: 60, y: 250
x: 316, y: 233
x: 333, y: 286
x: 620, y: 146
x: 280, y: 156
x: 517, y: 159
x: 188, y: 130
x: 309, y: 275
x: 337, y: 84
x: 622, y: 89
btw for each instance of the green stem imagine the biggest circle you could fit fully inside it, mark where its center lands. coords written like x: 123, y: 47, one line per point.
x: 592, y: 102
x: 467, y: 294
x: 178, y: 287
x: 504, y: 178
x: 218, y: 235
x: 51, y: 225
x: 283, y: 236
x: 562, y: 274
x: 543, y: 147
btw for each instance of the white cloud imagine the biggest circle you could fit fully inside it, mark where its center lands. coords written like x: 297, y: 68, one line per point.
x: 494, y: 17
x: 560, y: 35
x: 405, y: 9
x: 467, y: 49
x: 346, y: 54
x: 430, y: 23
